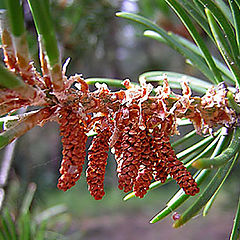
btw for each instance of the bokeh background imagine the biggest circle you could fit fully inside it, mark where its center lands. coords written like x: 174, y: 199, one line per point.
x: 102, y: 45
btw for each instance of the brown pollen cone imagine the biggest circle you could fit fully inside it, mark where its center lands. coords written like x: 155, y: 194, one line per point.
x: 166, y: 161
x: 159, y: 159
x: 74, y: 139
x: 178, y: 172
x: 97, y: 160
x: 145, y: 173
x: 158, y: 128
x: 128, y: 149
x: 175, y: 168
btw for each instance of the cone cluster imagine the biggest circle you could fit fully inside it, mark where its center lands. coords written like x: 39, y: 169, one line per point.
x: 138, y: 134
x: 145, y: 153
x: 136, y: 123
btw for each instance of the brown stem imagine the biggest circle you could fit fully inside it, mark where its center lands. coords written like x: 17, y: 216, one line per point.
x: 9, y: 52
x: 11, y: 105
x: 7, y: 95
x: 25, y: 125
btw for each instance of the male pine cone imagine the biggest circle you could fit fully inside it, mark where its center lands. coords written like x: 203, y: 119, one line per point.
x: 74, y: 140
x: 97, y: 160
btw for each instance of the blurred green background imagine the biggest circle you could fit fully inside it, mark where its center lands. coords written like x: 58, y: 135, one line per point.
x: 101, y: 45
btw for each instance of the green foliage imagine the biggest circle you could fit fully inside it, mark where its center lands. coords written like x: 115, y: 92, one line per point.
x: 206, y: 195
x: 15, y: 12
x: 44, y: 25
x: 154, y: 8
x: 232, y: 102
x: 8, y: 80
x: 226, y: 74
x: 196, y: 37
x: 25, y: 225
x: 197, y: 61
x: 224, y: 157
